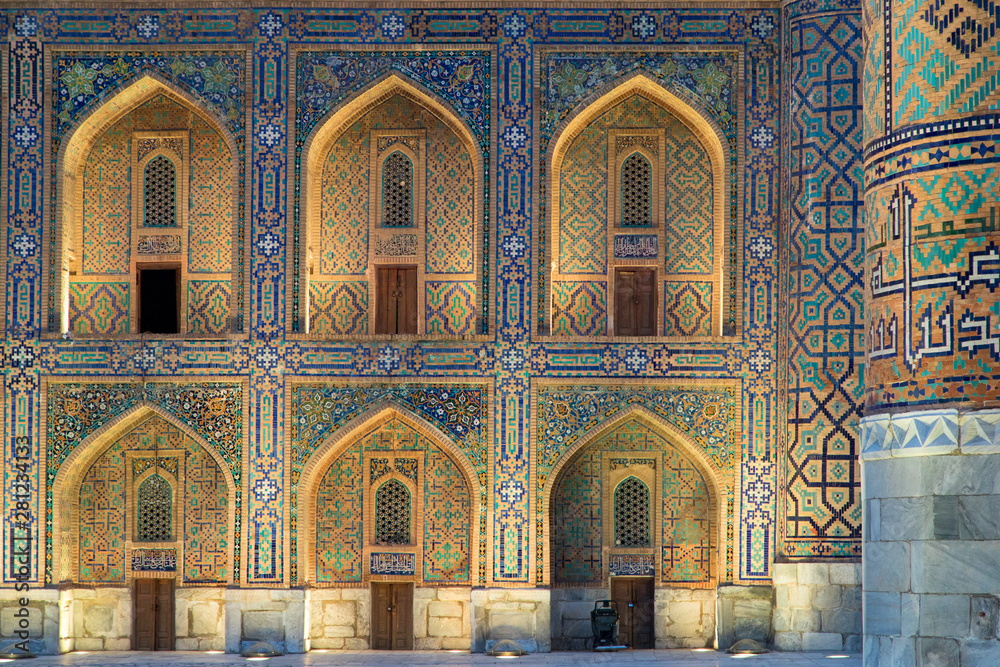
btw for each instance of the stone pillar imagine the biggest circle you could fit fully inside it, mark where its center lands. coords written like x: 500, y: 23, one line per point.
x: 930, y: 439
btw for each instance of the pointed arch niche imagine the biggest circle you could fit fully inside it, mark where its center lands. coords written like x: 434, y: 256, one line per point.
x: 598, y: 251
x: 95, y: 503
x: 686, y: 512
x: 105, y: 235
x: 337, y: 541
x: 355, y: 231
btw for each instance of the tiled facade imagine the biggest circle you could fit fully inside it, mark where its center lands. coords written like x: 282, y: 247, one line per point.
x: 514, y: 412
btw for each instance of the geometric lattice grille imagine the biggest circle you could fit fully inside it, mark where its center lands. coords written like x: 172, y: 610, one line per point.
x: 392, y: 514
x: 397, y: 191
x: 154, y: 510
x: 637, y: 187
x: 632, y: 514
x: 160, y: 182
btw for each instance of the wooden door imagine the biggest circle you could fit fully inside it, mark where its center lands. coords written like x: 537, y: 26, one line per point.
x: 392, y: 616
x: 634, y: 596
x: 635, y: 302
x: 396, y: 300
x: 153, y: 615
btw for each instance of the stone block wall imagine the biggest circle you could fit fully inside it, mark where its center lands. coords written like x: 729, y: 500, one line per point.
x: 42, y: 618
x: 339, y: 618
x: 200, y: 619
x: 272, y: 615
x: 442, y: 618
x: 684, y: 617
x: 817, y: 606
x: 932, y: 558
x: 743, y: 612
x: 98, y: 619
x: 570, y: 617
x: 521, y: 614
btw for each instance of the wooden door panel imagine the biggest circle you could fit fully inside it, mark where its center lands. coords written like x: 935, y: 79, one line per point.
x: 402, y: 617
x: 624, y: 307
x: 153, y: 615
x: 164, y: 614
x: 635, y: 302
x: 645, y: 303
x: 392, y: 616
x: 381, y: 617
x: 144, y: 615
x: 383, y: 286
x: 396, y: 300
x: 634, y: 597
x: 408, y: 321
x: 642, y: 613
x: 621, y: 593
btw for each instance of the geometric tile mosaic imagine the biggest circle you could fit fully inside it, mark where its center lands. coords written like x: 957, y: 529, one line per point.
x: 687, y: 308
x: 579, y: 308
x: 208, y: 306
x: 99, y: 308
x: 451, y: 307
x: 338, y: 307
x: 270, y: 76
x: 825, y: 313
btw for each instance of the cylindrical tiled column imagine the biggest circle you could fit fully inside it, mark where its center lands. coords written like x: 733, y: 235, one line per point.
x: 930, y: 455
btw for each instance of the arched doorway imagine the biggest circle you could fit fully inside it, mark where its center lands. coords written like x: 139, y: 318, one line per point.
x: 387, y: 533
x: 634, y: 517
x: 143, y: 522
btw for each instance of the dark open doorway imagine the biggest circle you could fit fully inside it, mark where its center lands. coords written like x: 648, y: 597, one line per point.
x: 159, y: 299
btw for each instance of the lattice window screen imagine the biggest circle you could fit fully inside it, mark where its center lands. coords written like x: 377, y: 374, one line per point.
x: 397, y: 191
x: 155, y: 510
x: 637, y: 192
x: 632, y: 514
x: 392, y: 514
x: 159, y: 192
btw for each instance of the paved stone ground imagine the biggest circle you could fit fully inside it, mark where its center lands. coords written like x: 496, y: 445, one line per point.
x: 675, y: 658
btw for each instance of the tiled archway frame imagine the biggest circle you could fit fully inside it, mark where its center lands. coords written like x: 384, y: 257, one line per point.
x: 71, y: 472
x: 317, y: 146
x: 701, y: 125
x: 723, y: 479
x: 346, y: 436
x: 75, y: 143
